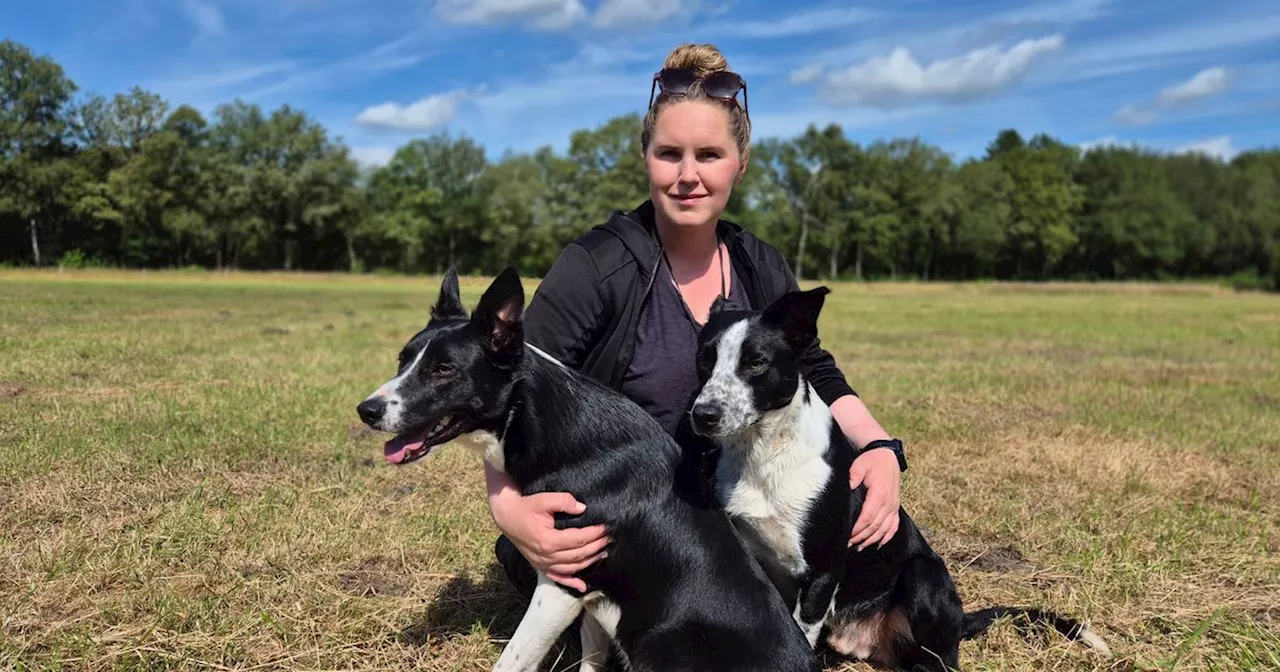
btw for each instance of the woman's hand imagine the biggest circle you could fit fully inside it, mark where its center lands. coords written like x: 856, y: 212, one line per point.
x: 878, y: 522
x: 529, y: 522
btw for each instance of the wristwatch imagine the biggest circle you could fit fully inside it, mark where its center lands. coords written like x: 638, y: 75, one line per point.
x: 892, y: 444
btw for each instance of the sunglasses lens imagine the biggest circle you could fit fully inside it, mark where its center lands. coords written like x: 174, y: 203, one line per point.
x: 676, y: 81
x: 722, y: 85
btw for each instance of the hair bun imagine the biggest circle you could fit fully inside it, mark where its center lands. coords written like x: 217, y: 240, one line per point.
x: 703, y: 59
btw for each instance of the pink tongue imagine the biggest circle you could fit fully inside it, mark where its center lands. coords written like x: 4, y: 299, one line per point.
x: 396, y: 449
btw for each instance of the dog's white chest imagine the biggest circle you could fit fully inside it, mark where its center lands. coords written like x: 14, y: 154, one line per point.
x: 774, y: 499
x: 485, y: 444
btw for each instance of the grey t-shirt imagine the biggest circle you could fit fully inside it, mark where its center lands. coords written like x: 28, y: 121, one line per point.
x: 662, y: 377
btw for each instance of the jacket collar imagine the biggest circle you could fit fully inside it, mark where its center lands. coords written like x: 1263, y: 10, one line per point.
x: 637, y: 229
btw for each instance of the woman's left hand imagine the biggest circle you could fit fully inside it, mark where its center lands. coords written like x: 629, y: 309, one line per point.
x: 878, y: 522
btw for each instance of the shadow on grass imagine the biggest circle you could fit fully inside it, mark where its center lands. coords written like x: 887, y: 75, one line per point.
x: 463, y: 607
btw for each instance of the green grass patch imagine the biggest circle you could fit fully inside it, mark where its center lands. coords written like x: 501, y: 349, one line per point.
x: 184, y: 482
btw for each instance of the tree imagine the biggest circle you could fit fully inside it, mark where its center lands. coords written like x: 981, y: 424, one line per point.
x: 980, y: 225
x: 1044, y: 201
x: 610, y: 171
x: 1201, y: 183
x: 130, y: 179
x: 927, y: 198
x: 34, y: 93
x: 427, y: 198
x: 1256, y: 191
x: 1130, y: 216
x: 1008, y: 140
x: 510, y: 190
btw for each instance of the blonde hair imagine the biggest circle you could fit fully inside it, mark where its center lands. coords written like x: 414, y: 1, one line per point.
x: 703, y: 59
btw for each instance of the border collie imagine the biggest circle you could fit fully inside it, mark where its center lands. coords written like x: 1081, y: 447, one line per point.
x: 677, y: 589
x: 783, y: 478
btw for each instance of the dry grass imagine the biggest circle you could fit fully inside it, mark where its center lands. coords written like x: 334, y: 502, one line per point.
x: 184, y: 484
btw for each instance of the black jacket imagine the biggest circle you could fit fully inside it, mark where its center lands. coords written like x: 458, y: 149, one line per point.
x: 586, y: 310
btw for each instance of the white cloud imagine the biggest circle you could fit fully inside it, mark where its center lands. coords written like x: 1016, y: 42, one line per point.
x: 808, y: 73
x: 206, y: 17
x: 1134, y: 116
x: 374, y: 156
x: 1109, y: 141
x: 543, y: 14
x: 397, y: 54
x: 560, y: 91
x: 802, y: 23
x: 607, y: 56
x: 1138, y: 50
x: 1206, y: 83
x: 221, y: 78
x: 1055, y: 12
x: 1101, y: 143
x: 1219, y: 148
x: 963, y: 30
x: 424, y: 114
x: 889, y: 81
x: 637, y: 13
x: 792, y: 122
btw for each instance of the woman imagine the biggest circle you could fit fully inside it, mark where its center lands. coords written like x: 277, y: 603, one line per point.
x: 623, y: 304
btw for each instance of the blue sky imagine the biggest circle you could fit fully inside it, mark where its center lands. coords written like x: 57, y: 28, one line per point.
x: 519, y: 74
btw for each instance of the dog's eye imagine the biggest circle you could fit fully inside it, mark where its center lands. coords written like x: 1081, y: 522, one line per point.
x: 757, y: 365
x: 442, y: 369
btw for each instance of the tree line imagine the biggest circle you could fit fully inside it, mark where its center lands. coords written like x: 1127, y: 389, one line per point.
x: 134, y: 181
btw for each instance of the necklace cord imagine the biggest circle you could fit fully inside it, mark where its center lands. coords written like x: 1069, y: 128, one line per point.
x: 671, y: 272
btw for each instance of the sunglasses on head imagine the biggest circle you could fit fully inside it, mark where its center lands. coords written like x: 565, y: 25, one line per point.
x: 723, y: 85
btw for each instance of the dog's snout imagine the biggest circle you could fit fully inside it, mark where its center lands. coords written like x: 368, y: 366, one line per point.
x: 372, y: 410
x: 706, y: 416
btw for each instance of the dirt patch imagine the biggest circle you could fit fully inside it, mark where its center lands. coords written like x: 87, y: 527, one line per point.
x: 960, y: 551
x: 361, y: 433
x: 371, y: 577
x: 267, y: 572
x: 1002, y: 559
x: 1266, y: 615
x: 10, y: 390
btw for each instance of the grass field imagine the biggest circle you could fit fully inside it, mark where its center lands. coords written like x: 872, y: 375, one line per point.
x: 184, y: 482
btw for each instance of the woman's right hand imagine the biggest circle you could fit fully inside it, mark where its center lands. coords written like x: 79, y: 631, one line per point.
x: 529, y: 522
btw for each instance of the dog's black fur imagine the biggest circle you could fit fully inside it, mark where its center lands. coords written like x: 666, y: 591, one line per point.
x: 690, y: 597
x: 895, y: 605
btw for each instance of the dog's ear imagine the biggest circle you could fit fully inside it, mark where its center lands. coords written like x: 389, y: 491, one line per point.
x: 796, y: 314
x: 500, y: 312
x: 720, y: 304
x: 450, y: 302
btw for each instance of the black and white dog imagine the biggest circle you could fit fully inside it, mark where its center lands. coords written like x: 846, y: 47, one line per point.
x: 677, y: 590
x: 783, y: 478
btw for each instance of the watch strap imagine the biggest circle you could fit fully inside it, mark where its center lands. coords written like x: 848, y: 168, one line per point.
x: 892, y: 444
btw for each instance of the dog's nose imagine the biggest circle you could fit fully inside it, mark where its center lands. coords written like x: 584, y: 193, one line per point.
x: 372, y: 410
x: 706, y: 416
